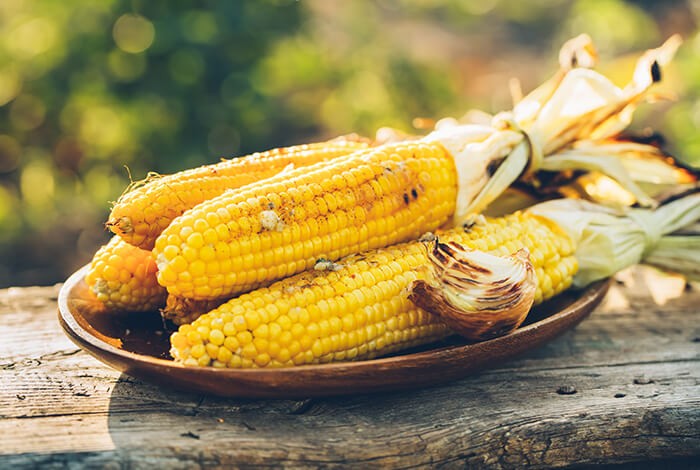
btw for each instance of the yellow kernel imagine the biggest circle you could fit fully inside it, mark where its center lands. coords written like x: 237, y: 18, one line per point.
x: 198, y: 268
x: 195, y: 240
x: 261, y: 344
x: 229, y: 329
x: 216, y: 337
x: 179, y: 340
x: 197, y: 350
x: 244, y: 338
x: 285, y: 338
x: 207, y: 253
x: 193, y: 337
x: 204, y: 361
x: 249, y: 351
x: 224, y: 355
x: 252, y: 320
x: 212, y: 350
x: 262, y: 359
x: 298, y: 330
x: 235, y: 362
x: 231, y: 344
x: 348, y: 322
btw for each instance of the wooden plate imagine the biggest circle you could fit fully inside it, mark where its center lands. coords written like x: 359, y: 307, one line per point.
x: 137, y: 344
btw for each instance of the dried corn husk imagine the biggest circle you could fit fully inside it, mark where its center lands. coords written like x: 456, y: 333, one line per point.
x: 568, y: 123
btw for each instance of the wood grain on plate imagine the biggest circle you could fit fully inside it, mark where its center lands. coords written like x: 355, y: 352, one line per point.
x: 137, y: 344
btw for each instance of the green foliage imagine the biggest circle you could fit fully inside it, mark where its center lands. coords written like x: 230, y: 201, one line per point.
x: 88, y: 88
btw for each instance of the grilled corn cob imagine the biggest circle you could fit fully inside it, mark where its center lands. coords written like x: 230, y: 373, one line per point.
x: 247, y: 238
x: 359, y: 307
x: 142, y: 213
x: 123, y: 277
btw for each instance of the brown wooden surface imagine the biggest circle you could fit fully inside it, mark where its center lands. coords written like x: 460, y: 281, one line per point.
x: 634, y: 365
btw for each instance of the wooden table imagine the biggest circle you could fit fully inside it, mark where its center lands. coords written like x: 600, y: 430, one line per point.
x: 633, y: 364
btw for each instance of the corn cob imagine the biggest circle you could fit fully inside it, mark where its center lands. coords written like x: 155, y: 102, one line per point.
x: 142, y: 213
x: 181, y: 310
x: 359, y: 308
x: 260, y: 233
x: 123, y: 277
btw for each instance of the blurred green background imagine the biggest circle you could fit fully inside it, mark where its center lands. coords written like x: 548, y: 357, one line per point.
x: 89, y: 88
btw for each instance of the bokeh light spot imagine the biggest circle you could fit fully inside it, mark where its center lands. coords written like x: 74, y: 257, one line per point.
x: 133, y: 33
x: 101, y: 183
x: 68, y: 154
x: 10, y: 151
x: 103, y: 130
x: 37, y: 183
x: 6, y: 203
x: 10, y: 84
x: 27, y: 112
x: 200, y: 27
x: 32, y: 37
x: 126, y: 67
x: 186, y: 66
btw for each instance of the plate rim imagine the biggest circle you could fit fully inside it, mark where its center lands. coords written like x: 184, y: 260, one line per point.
x: 593, y: 294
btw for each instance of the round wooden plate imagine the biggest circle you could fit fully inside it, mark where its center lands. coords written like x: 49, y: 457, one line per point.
x: 137, y: 344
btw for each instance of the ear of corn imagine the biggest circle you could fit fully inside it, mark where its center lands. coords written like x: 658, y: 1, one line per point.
x: 142, y: 213
x: 248, y: 238
x: 359, y: 308
x: 123, y: 277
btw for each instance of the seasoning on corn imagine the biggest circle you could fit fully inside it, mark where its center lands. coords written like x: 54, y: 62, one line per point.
x: 142, y: 213
x: 123, y: 277
x: 376, y: 197
x: 362, y: 309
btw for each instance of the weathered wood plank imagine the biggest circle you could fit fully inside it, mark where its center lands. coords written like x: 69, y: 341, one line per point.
x: 58, y: 405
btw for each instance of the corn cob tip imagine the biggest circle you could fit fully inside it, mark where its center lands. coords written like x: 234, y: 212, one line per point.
x: 479, y: 295
x: 120, y: 225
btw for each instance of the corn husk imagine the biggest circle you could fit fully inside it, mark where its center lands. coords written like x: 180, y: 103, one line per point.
x: 569, y: 123
x: 611, y: 239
